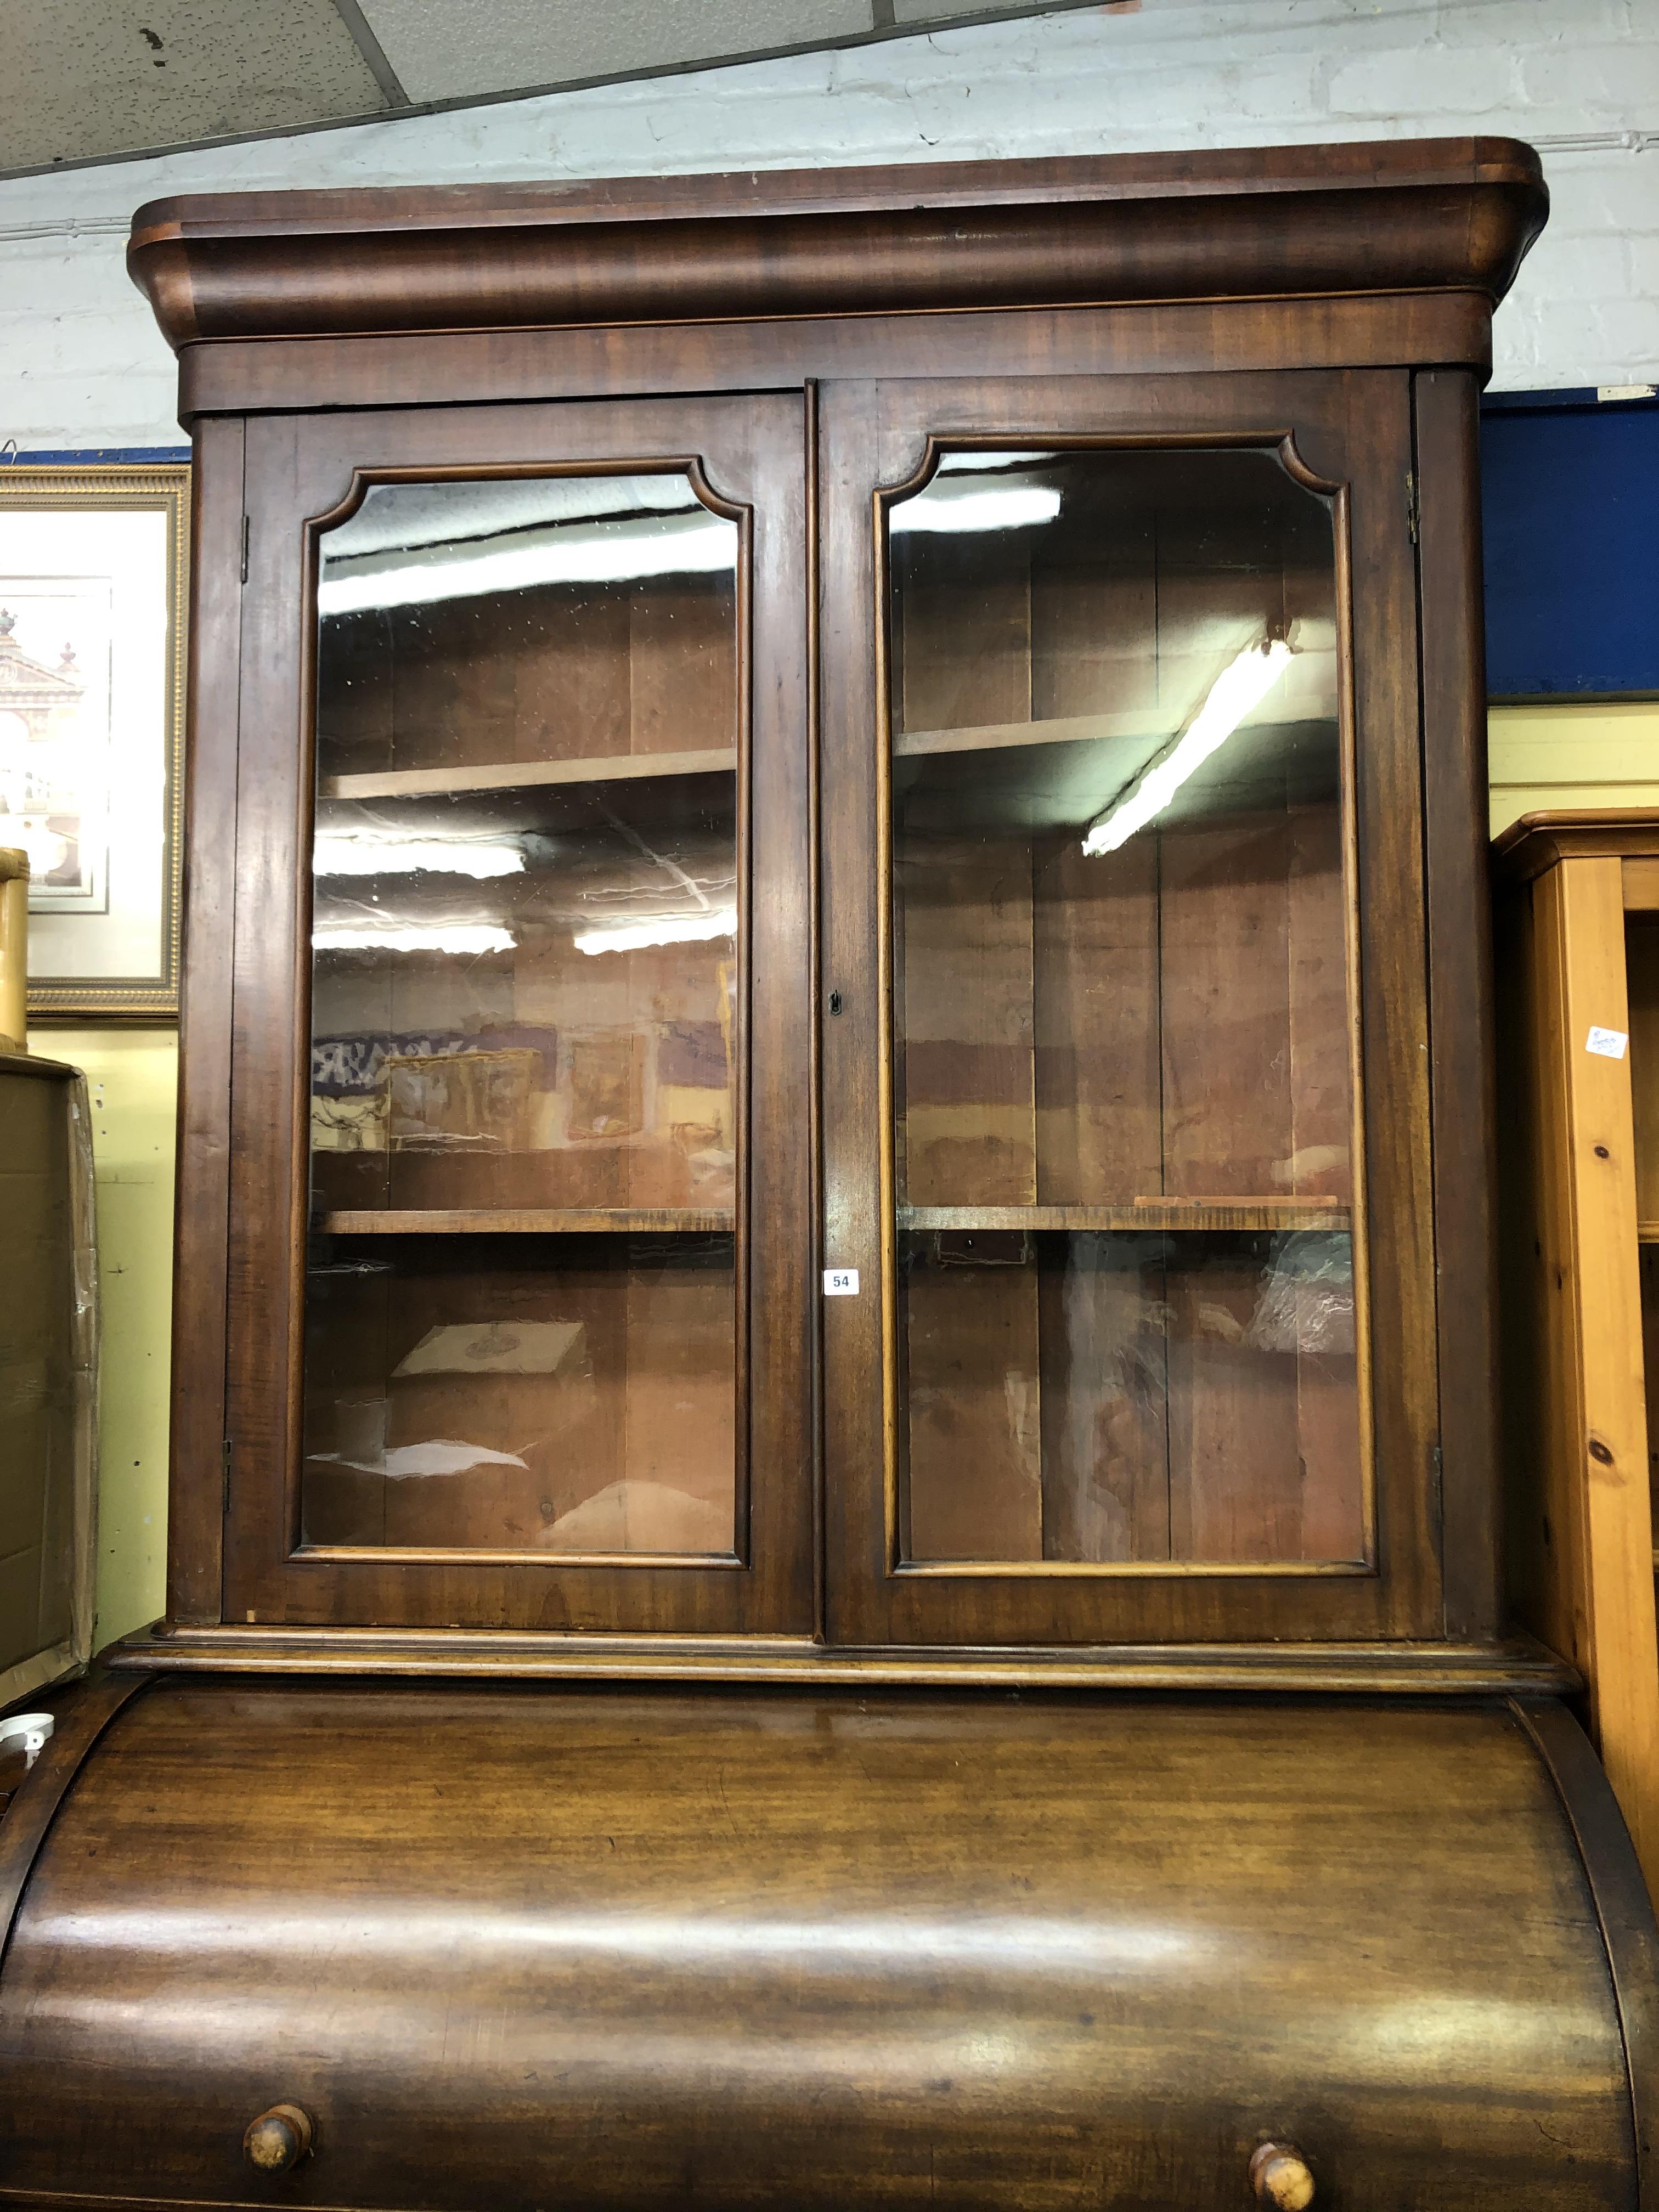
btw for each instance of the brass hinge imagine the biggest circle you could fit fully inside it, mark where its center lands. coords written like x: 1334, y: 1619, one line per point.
x: 1437, y: 1474
x: 224, y: 1461
x: 1414, y: 512
x: 244, y: 537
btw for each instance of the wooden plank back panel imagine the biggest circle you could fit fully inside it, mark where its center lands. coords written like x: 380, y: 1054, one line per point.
x: 967, y: 641
x: 1224, y: 981
x: 1235, y: 1470
x: 1105, y: 1398
x: 594, y: 1397
x: 1095, y: 1022
x: 1642, y: 998
x: 969, y: 1067
x: 560, y: 672
x: 974, y: 1357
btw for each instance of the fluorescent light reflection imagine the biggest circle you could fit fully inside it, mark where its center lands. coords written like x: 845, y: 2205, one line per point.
x: 336, y: 854
x: 699, y: 543
x: 1003, y: 507
x: 443, y: 936
x: 1067, y: 1949
x: 980, y: 463
x: 660, y: 929
x: 1238, y: 689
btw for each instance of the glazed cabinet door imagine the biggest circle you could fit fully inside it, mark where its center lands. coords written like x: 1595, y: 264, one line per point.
x: 519, y: 1294
x: 1126, y: 1102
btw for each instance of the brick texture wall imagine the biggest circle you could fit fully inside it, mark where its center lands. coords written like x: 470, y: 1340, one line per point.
x: 82, y: 366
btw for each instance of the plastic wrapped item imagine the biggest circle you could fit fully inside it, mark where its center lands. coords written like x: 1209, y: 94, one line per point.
x: 48, y: 1375
x: 14, y: 948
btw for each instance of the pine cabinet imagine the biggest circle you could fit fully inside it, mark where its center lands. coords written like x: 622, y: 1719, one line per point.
x: 1578, y: 912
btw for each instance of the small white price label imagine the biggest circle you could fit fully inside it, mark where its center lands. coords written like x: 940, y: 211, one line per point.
x: 1610, y: 1043
x: 840, y: 1282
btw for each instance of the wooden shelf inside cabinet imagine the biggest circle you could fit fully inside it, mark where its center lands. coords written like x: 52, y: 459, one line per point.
x: 530, y: 1221
x: 1144, y: 1213
x: 1050, y: 730
x: 1141, y: 733
x: 525, y: 776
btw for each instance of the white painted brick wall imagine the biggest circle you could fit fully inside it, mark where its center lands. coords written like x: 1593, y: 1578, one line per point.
x: 81, y: 365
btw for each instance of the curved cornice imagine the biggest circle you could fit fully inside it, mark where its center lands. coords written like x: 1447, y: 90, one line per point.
x: 1266, y: 224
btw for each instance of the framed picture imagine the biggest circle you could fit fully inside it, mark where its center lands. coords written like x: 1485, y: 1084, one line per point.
x: 93, y: 569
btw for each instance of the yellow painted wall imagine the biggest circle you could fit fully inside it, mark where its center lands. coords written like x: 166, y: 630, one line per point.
x: 131, y: 1076
x: 1572, y: 755
x: 1566, y: 755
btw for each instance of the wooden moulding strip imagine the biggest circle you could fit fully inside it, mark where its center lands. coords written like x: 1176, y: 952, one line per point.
x: 1190, y: 1214
x: 1407, y: 217
x: 1535, y: 842
x: 531, y: 1221
x: 1517, y: 1666
x: 527, y: 776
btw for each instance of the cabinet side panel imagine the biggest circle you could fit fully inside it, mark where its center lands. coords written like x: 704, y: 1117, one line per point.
x: 1463, y: 1104
x: 1544, y: 1543
x: 1543, y: 1379
x: 194, y: 1529
x: 1399, y: 1205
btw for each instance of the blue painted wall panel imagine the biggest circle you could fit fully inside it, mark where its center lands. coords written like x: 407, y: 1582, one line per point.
x: 1570, y: 493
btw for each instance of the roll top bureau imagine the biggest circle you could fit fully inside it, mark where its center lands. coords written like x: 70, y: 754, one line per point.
x: 834, y: 1504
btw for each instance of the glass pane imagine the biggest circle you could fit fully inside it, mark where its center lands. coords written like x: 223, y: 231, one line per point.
x: 1122, y: 1014
x: 525, y: 1021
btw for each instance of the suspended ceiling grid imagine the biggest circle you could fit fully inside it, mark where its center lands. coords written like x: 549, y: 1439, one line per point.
x: 100, y: 79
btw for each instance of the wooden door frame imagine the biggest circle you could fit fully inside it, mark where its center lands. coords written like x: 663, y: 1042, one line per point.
x: 1353, y: 431
x: 299, y: 472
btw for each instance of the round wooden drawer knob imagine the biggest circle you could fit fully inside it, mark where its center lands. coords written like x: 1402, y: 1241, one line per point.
x: 1280, y: 2178
x: 278, y: 2139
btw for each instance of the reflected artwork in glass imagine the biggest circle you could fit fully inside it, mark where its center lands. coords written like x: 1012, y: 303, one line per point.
x: 527, y: 1032
x: 1123, y: 1018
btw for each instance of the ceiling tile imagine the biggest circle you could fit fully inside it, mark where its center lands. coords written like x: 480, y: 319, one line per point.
x: 90, y: 77
x: 509, y: 44
x: 917, y: 15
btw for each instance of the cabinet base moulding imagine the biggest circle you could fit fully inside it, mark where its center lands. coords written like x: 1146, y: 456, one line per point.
x: 1518, y: 1666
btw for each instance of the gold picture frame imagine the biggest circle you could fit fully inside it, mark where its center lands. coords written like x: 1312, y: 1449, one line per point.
x: 95, y: 562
